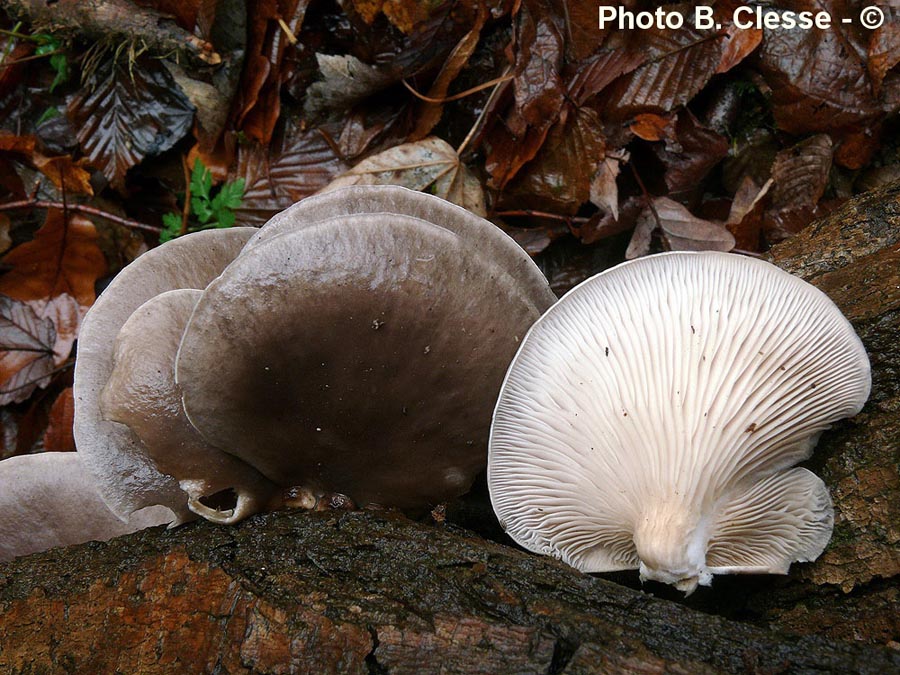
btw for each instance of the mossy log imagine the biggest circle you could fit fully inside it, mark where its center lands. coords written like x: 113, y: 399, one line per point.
x: 374, y: 592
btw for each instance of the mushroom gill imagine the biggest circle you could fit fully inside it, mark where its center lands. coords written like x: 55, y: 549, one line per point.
x: 355, y: 344
x: 650, y: 420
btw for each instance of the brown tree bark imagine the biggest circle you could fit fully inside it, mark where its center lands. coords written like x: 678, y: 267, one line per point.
x: 375, y: 592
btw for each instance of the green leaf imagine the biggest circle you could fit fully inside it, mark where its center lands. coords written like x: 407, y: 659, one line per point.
x: 49, y: 114
x: 226, y: 219
x: 171, y: 227
x: 201, y: 181
x: 200, y: 207
x: 230, y: 196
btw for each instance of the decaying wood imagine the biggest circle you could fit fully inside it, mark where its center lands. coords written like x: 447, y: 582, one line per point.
x: 374, y: 592
x: 113, y: 22
x: 357, y: 592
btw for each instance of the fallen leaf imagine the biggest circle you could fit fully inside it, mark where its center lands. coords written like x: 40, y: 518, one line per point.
x: 298, y: 164
x: 690, y: 152
x: 127, y: 111
x: 604, y: 191
x: 346, y: 81
x: 58, y: 436
x: 559, y: 178
x: 430, y: 165
x: 429, y: 114
x: 639, y: 245
x: 63, y: 258
x: 537, y: 83
x: 745, y: 218
x: 686, y: 232
x: 884, y: 47
x: 603, y: 225
x: 5, y: 239
x: 679, y: 63
x: 818, y: 78
x: 67, y: 175
x: 583, y: 35
x: 26, y: 357
x: 21, y: 145
x: 595, y: 74
x: 739, y: 44
x: 800, y: 176
x: 651, y: 127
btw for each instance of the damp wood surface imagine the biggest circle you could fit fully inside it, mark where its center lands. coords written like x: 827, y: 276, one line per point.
x: 374, y: 592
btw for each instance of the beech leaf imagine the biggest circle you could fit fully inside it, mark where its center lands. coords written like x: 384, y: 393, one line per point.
x: 26, y: 356
x: 686, y: 232
x: 298, y: 164
x: 604, y: 191
x: 128, y: 111
x: 430, y: 165
x: 346, y: 81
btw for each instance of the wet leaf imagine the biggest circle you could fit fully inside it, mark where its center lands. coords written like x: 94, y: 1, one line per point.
x: 603, y: 224
x: 583, y: 35
x: 66, y: 173
x: 537, y: 84
x: 128, y: 111
x: 800, y: 176
x: 430, y: 165
x: 598, y: 72
x: 818, y: 78
x: 298, y: 164
x: 559, y: 178
x: 346, y: 81
x: 5, y: 240
x: 679, y: 64
x: 651, y: 127
x: 429, y: 114
x: 884, y: 47
x: 58, y: 436
x: 690, y: 153
x: 258, y: 104
x: 739, y: 44
x: 26, y: 350
x: 745, y: 219
x: 683, y: 231
x: 63, y: 258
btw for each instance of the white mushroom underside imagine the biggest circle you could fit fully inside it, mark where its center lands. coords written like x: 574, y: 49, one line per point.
x: 657, y: 407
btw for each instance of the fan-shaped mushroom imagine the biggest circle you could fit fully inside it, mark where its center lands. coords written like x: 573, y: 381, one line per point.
x: 49, y: 499
x: 356, y: 344
x: 651, y: 417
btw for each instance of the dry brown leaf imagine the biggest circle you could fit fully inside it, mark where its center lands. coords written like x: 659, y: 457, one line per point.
x: 690, y: 152
x: 539, y: 58
x: 26, y: 357
x: 63, y: 258
x: 5, y: 239
x: 651, y: 127
x: 738, y: 46
x: 346, y: 81
x: 604, y: 191
x: 67, y: 175
x: 746, y: 199
x: 430, y: 113
x: 430, y: 165
x: 686, y: 232
x: 800, y: 176
x: 298, y: 164
x: 642, y: 235
x: 58, y: 436
x: 22, y: 145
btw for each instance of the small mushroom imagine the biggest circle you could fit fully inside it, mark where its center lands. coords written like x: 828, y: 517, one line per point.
x: 49, y: 499
x: 355, y: 346
x: 651, y: 418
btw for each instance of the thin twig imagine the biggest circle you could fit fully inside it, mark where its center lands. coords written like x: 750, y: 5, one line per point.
x: 6, y: 64
x: 462, y: 94
x: 79, y: 208
x: 186, y: 209
x: 287, y: 31
x: 481, y: 116
x: 542, y: 214
x: 647, y: 196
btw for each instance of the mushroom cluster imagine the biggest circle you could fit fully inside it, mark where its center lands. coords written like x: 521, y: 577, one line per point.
x: 652, y: 417
x: 355, y: 344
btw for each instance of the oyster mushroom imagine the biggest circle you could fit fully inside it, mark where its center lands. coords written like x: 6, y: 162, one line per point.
x: 126, y: 475
x: 355, y: 345
x: 49, y: 499
x: 651, y: 418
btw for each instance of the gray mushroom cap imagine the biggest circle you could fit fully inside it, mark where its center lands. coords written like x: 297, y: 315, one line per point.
x: 49, y: 499
x: 650, y: 419
x: 360, y: 354
x: 126, y: 476
x: 141, y: 393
